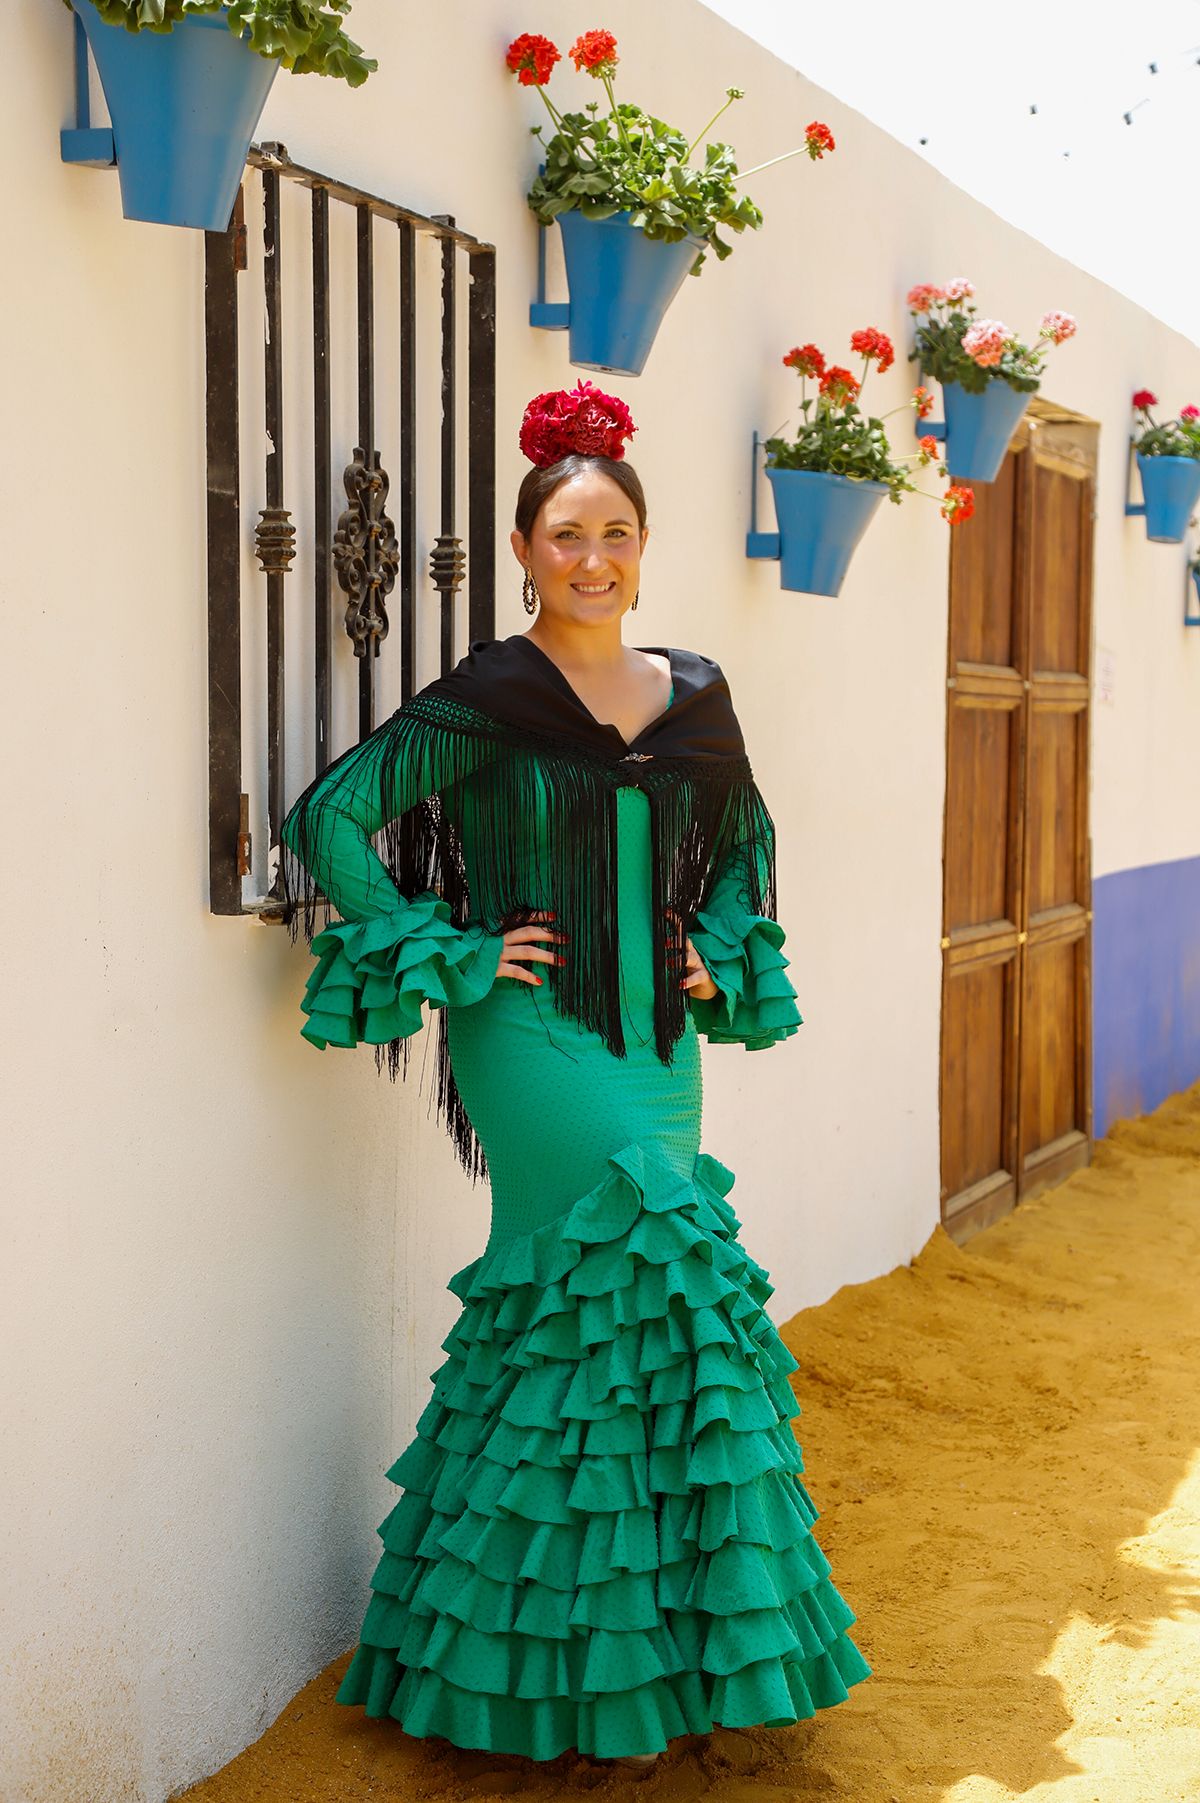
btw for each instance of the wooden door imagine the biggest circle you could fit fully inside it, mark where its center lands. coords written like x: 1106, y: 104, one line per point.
x: 1016, y: 928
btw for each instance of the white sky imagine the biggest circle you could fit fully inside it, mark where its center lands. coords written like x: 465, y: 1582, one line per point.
x: 1121, y: 204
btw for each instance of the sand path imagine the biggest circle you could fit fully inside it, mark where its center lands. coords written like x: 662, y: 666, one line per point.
x: 1004, y: 1443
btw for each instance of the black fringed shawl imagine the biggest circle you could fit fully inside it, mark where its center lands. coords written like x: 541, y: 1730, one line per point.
x: 501, y: 731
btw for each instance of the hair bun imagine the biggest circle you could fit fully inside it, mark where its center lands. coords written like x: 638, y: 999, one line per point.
x: 582, y: 419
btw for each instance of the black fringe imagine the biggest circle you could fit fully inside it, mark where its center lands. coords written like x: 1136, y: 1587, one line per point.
x: 539, y: 810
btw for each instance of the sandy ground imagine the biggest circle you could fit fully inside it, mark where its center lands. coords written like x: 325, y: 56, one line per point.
x: 1002, y: 1440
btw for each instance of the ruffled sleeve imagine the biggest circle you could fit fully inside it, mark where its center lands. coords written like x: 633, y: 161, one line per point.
x: 755, y: 1004
x: 390, y: 953
x: 372, y: 976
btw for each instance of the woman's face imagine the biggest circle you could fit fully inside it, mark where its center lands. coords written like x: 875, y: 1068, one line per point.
x: 585, y: 550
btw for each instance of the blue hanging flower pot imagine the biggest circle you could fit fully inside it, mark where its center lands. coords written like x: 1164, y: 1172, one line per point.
x: 979, y: 428
x: 1170, y: 491
x: 821, y: 519
x: 621, y: 284
x: 184, y: 106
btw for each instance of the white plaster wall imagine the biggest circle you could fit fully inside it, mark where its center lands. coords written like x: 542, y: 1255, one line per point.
x: 227, y: 1252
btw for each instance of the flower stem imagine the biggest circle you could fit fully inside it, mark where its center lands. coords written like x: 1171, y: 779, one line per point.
x: 704, y: 130
x: 620, y: 123
x: 743, y: 174
x: 554, y: 114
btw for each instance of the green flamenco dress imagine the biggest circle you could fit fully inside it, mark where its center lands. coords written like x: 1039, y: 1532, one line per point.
x: 602, y: 1541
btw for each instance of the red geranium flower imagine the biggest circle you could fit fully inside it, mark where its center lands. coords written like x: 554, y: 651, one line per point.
x: 532, y: 58
x: 595, y: 51
x: 929, y: 446
x: 1143, y: 399
x: 806, y: 360
x: 818, y: 139
x: 582, y: 419
x: 958, y: 503
x: 839, y: 385
x: 923, y: 402
x: 1189, y: 413
x: 872, y: 344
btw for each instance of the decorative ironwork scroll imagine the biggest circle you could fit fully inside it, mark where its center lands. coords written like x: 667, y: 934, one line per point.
x: 366, y: 552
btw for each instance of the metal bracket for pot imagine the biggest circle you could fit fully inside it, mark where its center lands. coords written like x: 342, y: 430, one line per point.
x: 550, y: 316
x: 927, y: 428
x: 758, y: 544
x: 1191, y: 588
x: 85, y: 143
x: 1132, y: 507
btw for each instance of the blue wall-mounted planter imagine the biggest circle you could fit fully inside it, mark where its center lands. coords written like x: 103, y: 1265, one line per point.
x: 184, y: 106
x: 621, y: 284
x: 1170, y: 491
x: 821, y: 519
x: 978, y: 428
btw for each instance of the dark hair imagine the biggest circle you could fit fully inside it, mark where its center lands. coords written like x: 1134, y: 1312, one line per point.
x: 539, y: 484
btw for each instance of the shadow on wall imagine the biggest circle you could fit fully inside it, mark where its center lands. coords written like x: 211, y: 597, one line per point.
x: 1145, y: 987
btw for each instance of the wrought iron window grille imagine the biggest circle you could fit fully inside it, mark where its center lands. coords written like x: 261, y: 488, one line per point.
x: 357, y: 553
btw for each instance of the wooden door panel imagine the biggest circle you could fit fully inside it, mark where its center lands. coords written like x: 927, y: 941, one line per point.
x: 1052, y: 824
x: 1016, y: 939
x: 981, y: 625
x: 975, y: 1028
x: 981, y: 770
x: 1055, y: 640
x: 1055, y: 1116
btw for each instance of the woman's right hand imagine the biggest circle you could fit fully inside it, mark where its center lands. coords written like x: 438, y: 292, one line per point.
x: 520, y: 948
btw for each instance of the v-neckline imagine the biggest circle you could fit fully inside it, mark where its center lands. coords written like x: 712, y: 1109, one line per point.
x: 606, y: 725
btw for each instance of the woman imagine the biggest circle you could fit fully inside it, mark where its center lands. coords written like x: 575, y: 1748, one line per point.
x: 602, y: 1541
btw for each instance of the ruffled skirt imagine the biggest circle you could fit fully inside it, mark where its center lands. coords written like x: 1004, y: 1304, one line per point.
x: 603, y: 1541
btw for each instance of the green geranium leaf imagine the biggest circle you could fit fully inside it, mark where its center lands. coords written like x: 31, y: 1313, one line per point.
x: 306, y: 36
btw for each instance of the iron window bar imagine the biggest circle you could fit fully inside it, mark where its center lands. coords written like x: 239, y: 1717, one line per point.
x: 366, y: 556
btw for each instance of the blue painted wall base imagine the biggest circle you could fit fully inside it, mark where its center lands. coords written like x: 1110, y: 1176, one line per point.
x: 1145, y: 988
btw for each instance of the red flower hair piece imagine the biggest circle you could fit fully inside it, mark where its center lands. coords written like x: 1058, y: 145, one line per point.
x: 582, y: 419
x: 531, y: 58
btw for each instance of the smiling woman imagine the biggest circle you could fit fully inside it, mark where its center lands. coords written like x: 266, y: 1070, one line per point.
x: 603, y: 1541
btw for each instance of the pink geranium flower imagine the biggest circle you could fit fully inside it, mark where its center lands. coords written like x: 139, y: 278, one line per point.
x: 959, y: 289
x: 984, y: 343
x: 923, y: 296
x: 1058, y: 326
x: 1189, y: 413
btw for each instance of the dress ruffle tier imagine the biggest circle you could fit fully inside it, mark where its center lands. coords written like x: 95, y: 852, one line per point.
x: 742, y: 953
x: 372, y: 976
x: 602, y: 1540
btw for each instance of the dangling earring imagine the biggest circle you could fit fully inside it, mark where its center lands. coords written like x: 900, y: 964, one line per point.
x: 529, y: 594
x: 634, y: 602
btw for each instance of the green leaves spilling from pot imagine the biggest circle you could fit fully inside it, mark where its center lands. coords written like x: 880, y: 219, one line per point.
x: 304, y: 36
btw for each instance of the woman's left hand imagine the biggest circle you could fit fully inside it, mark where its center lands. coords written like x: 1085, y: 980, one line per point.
x: 697, y: 979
